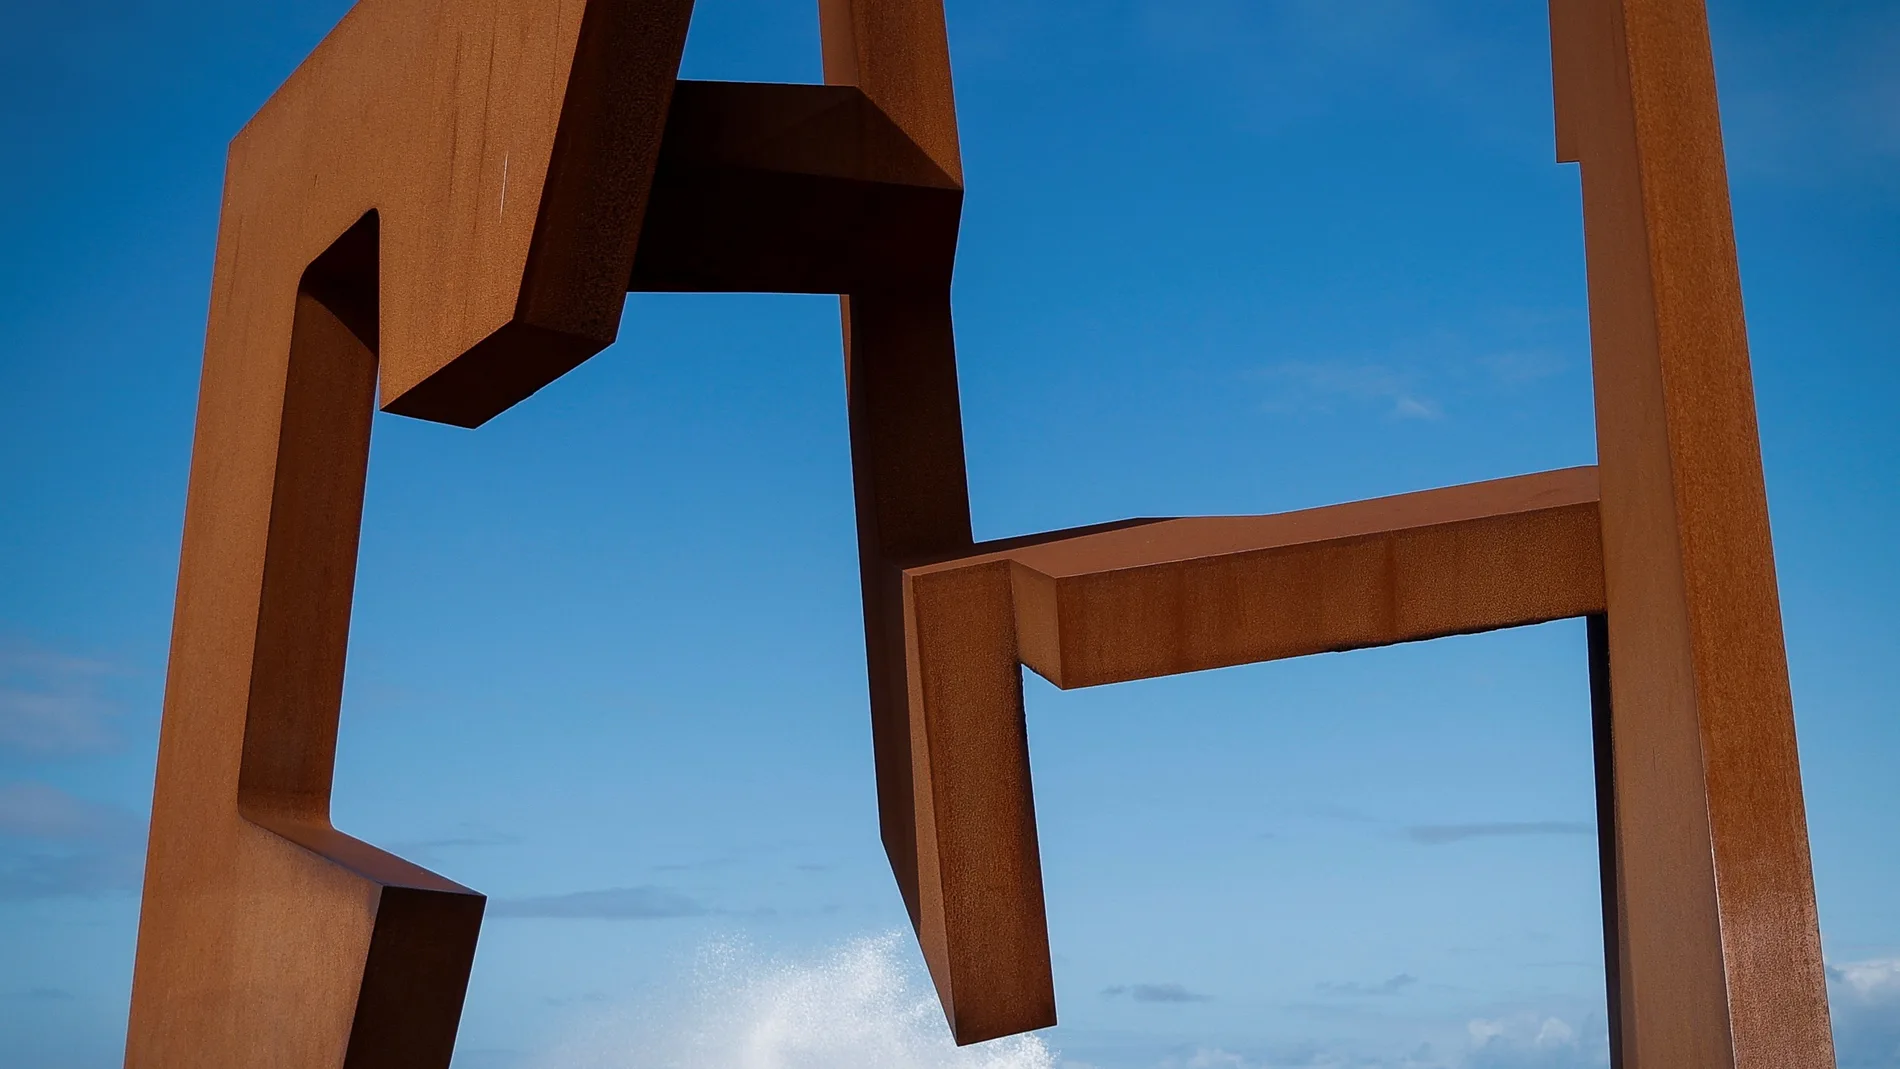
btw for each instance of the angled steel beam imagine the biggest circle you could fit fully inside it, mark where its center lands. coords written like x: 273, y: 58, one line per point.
x: 906, y: 421
x: 444, y: 197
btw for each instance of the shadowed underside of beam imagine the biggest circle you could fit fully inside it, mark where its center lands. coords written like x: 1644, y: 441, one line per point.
x: 793, y: 189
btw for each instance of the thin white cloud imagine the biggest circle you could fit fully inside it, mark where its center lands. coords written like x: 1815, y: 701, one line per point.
x: 1523, y: 365
x: 1812, y: 95
x: 1416, y: 378
x: 50, y: 703
x: 1532, y: 1041
x: 1525, y: 1040
x: 78, y: 874
x: 1391, y: 985
x: 864, y: 1005
x: 468, y: 836
x: 55, y: 845
x: 1319, y: 385
x: 1866, y: 1009
x: 1874, y: 979
x: 614, y: 903
x: 41, y: 811
x: 1301, y: 1056
x: 1440, y: 834
x: 1164, y: 993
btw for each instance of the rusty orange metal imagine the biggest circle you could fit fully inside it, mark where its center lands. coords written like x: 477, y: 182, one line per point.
x: 441, y: 211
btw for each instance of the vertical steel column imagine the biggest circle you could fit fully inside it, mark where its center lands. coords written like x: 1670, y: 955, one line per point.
x: 1716, y: 944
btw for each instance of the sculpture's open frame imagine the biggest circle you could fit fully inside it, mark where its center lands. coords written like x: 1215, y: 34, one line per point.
x: 450, y: 198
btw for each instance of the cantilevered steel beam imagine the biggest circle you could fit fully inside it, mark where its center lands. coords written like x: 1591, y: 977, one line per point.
x: 1152, y: 598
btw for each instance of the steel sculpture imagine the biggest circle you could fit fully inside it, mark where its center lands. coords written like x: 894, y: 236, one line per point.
x: 441, y: 211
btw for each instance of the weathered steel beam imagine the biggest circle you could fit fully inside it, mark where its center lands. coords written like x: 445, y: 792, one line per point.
x: 445, y: 197
x: 1151, y: 598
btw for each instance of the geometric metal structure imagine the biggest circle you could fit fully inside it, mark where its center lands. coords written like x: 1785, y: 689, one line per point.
x: 441, y: 211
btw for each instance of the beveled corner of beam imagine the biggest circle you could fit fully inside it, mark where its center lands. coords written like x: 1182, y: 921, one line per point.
x: 1163, y: 597
x: 506, y: 148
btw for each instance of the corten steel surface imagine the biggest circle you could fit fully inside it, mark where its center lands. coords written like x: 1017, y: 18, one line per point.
x: 448, y: 200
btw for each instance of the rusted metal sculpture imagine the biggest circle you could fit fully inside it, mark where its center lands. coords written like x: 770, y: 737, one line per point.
x: 449, y: 199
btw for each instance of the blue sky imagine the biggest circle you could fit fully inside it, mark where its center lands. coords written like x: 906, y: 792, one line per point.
x: 1218, y: 256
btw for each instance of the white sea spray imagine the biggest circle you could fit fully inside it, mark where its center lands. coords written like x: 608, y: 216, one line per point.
x: 857, y: 1007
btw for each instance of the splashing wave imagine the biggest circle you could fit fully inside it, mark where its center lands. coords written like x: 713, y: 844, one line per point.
x: 860, y: 1007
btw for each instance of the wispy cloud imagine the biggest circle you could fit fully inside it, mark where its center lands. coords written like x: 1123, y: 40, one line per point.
x: 54, y: 845
x: 1302, y: 1055
x: 467, y: 837
x: 41, y: 994
x: 1156, y: 993
x: 1320, y: 385
x: 1335, y: 811
x: 700, y: 865
x: 1519, y: 366
x: 473, y: 839
x: 1812, y: 95
x: 70, y: 875
x: 50, y: 703
x: 863, y: 1005
x: 40, y: 811
x: 1866, y: 1009
x: 487, y: 1058
x: 1873, y: 979
x: 1533, y: 1041
x: 614, y: 903
x: 1390, y: 986
x: 1440, y: 834
x: 1423, y: 377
